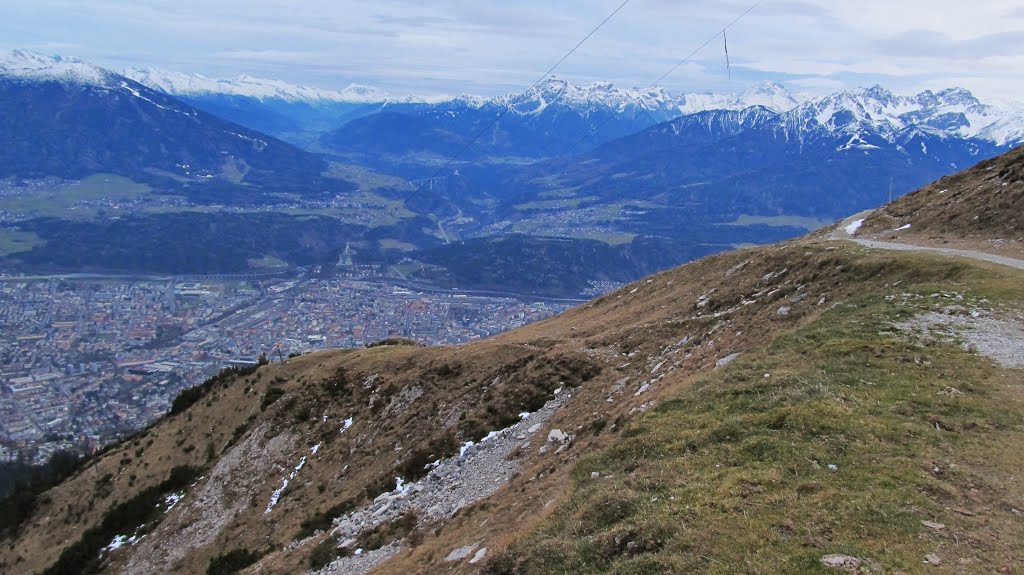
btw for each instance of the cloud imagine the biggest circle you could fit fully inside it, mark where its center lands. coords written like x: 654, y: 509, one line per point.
x: 486, y: 47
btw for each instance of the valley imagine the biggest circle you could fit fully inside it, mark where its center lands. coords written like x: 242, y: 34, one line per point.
x: 375, y: 178
x: 794, y: 402
x: 250, y: 326
x: 91, y: 359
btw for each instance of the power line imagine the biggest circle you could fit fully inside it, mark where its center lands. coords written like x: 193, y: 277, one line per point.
x: 508, y: 108
x: 672, y: 70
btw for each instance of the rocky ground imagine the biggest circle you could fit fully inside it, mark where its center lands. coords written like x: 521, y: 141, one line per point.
x: 1000, y: 339
x: 453, y: 484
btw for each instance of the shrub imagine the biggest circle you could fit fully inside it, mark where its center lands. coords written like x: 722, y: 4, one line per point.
x: 84, y: 558
x: 322, y: 520
x: 232, y: 562
x: 325, y: 552
x: 273, y: 394
x: 30, y: 482
x: 188, y: 397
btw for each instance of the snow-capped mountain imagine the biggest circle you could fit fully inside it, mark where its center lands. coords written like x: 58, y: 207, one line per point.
x: 27, y: 65
x: 69, y: 118
x: 953, y: 112
x: 606, y: 96
x: 181, y: 84
x: 553, y: 117
x: 556, y: 117
x: 833, y: 155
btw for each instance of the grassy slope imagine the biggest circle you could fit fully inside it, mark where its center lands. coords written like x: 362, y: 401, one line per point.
x: 978, y: 208
x: 731, y: 475
x: 734, y: 449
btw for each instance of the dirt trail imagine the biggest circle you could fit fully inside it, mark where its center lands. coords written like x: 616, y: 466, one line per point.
x: 841, y: 233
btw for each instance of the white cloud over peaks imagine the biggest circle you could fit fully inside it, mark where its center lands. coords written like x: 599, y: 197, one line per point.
x: 489, y: 47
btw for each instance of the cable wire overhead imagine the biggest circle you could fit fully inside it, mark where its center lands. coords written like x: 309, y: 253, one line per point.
x: 507, y: 109
x: 672, y: 70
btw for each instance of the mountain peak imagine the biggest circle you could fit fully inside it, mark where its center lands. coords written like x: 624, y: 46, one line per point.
x: 769, y: 95
x: 957, y: 96
x: 34, y: 66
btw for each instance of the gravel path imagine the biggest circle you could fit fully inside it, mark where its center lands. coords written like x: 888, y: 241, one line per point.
x: 974, y: 255
x: 840, y: 233
x: 998, y: 339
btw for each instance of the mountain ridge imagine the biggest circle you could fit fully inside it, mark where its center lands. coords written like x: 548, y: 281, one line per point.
x: 806, y: 403
x: 75, y: 119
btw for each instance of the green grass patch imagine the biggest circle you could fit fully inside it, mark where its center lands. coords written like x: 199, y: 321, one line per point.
x: 84, y: 199
x: 559, y: 204
x: 559, y: 193
x: 835, y: 450
x: 393, y: 244
x: 268, y: 263
x: 367, y: 179
x: 15, y: 241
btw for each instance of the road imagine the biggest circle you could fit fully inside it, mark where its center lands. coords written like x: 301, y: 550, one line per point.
x: 840, y: 234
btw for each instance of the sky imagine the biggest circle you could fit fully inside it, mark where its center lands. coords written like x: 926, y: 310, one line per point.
x: 489, y: 47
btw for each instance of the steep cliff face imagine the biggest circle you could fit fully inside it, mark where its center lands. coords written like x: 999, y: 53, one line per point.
x: 789, y: 408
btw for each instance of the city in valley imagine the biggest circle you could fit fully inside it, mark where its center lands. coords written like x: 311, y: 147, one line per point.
x: 85, y: 360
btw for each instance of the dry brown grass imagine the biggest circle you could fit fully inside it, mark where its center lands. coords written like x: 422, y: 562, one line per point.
x: 979, y: 209
x: 410, y: 402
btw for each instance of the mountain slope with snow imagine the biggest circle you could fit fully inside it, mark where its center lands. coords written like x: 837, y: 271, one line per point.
x: 69, y: 119
x: 181, y: 84
x: 954, y: 112
x: 560, y: 118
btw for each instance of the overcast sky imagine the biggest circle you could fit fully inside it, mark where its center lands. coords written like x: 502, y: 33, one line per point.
x: 490, y: 47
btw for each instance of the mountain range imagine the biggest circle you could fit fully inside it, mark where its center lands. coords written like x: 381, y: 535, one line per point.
x: 553, y: 117
x: 558, y: 118
x: 689, y: 174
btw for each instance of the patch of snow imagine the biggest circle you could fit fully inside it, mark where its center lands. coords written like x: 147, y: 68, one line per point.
x: 315, y: 449
x: 903, y: 227
x: 118, y: 542
x: 276, y: 495
x: 465, y: 447
x: 853, y: 226
x: 479, y: 556
x: 400, y: 486
x: 138, y: 95
x: 171, y: 500
x: 727, y: 360
x: 461, y: 553
x: 347, y: 424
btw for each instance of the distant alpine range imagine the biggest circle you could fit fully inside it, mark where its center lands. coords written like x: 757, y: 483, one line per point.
x: 635, y: 179
x: 871, y: 117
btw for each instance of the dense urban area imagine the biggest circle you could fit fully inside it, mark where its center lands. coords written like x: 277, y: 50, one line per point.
x: 85, y: 360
